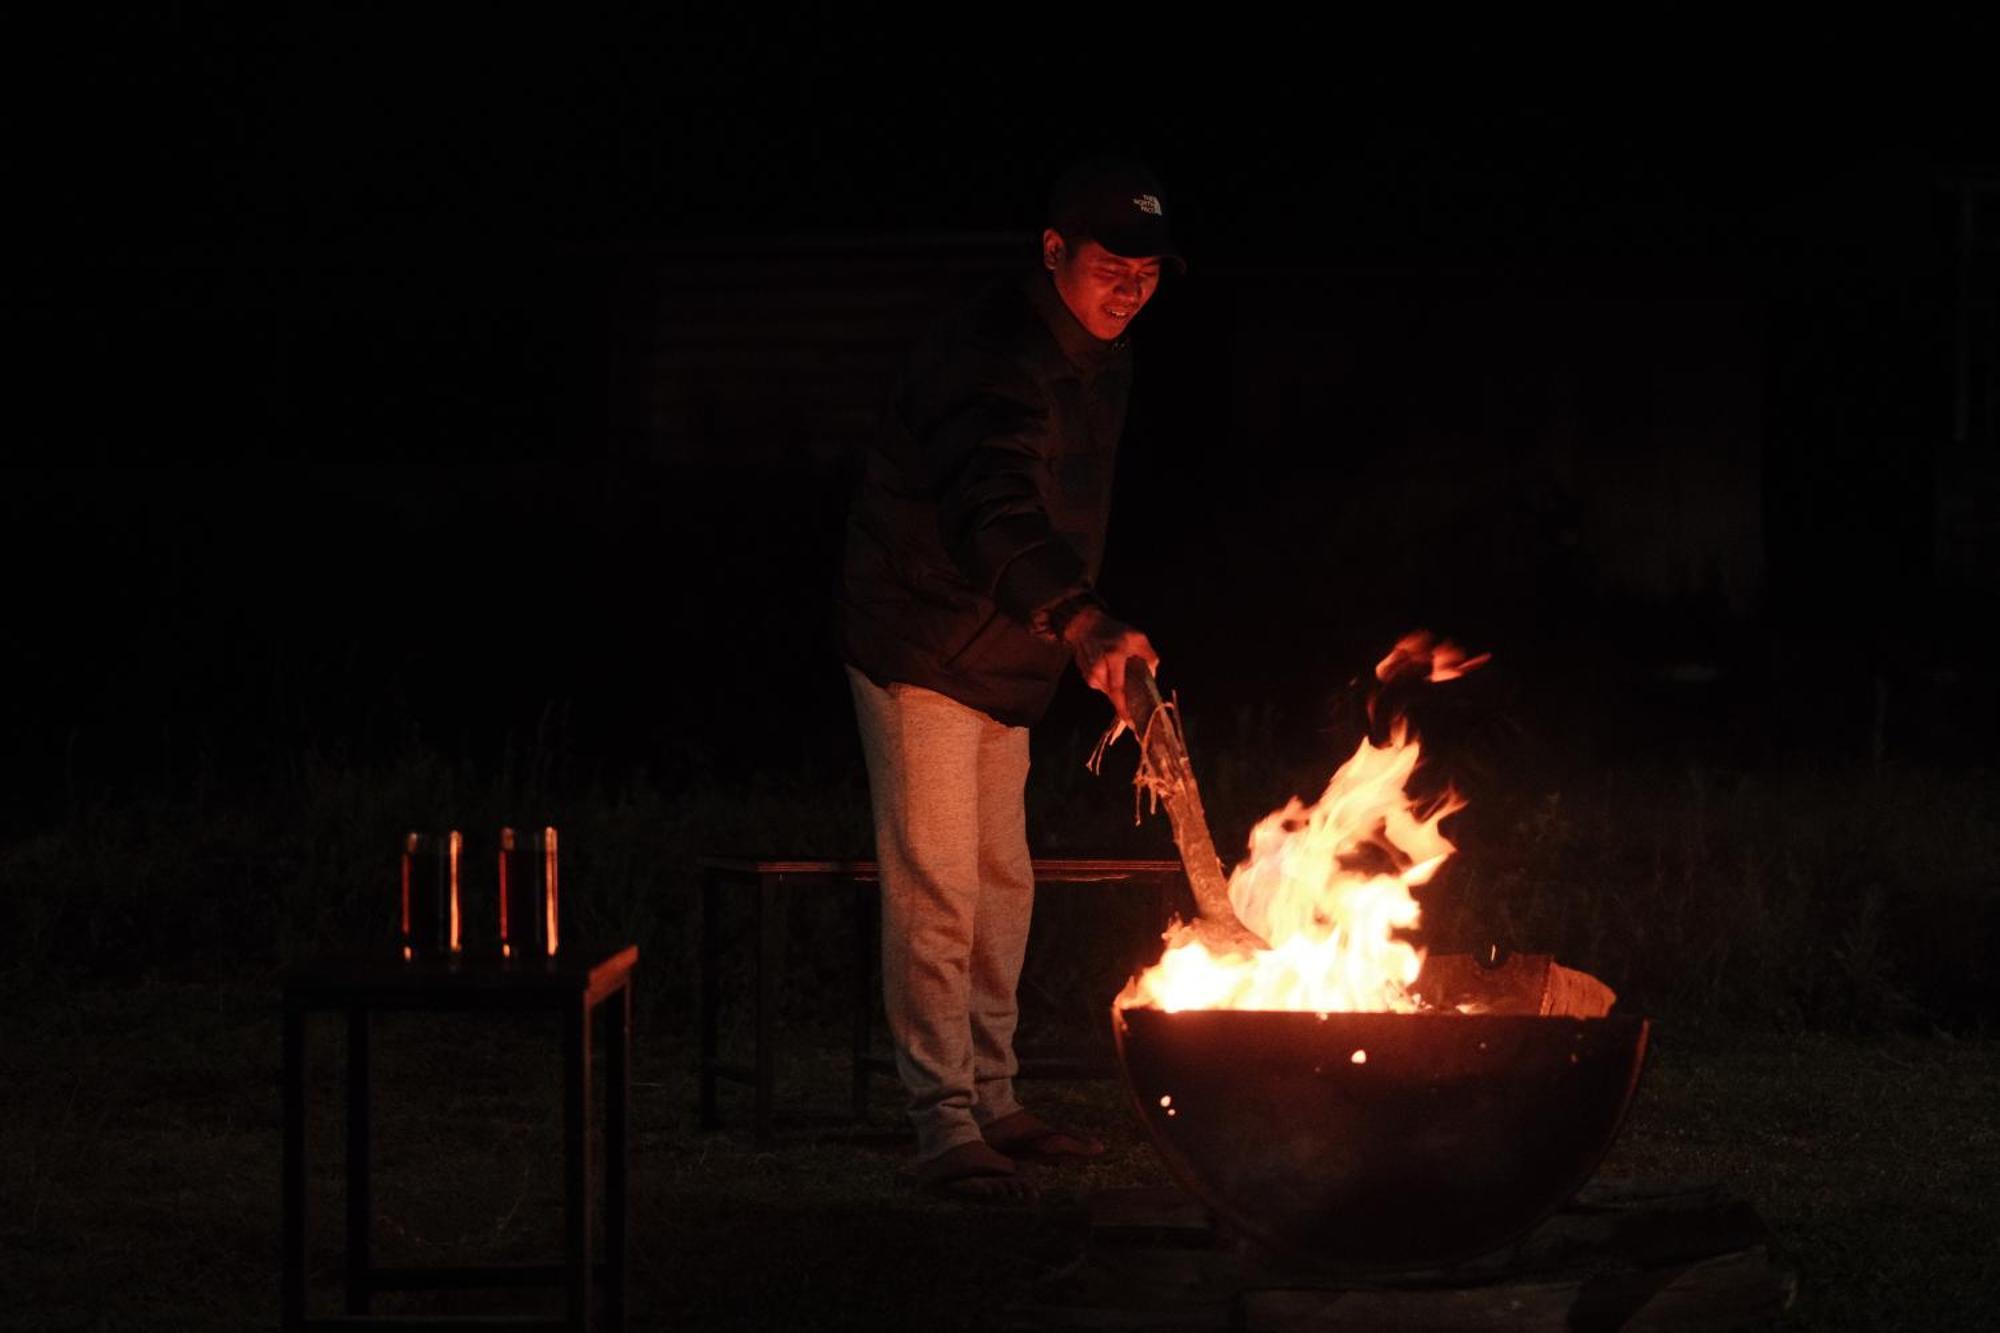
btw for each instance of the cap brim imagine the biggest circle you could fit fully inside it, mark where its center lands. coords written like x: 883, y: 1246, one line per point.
x: 1142, y: 243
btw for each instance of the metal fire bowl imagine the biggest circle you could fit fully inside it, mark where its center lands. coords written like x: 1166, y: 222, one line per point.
x: 1456, y: 1134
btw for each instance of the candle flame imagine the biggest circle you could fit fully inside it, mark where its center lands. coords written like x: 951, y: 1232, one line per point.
x: 409, y: 850
x: 454, y: 843
x: 506, y: 855
x: 549, y: 893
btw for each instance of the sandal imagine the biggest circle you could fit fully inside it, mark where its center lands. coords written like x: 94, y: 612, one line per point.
x: 1025, y: 1136
x: 973, y: 1171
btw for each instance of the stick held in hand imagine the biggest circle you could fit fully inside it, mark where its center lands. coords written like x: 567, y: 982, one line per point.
x: 1165, y: 769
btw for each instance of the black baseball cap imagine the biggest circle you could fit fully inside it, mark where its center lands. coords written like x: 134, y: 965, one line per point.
x: 1119, y: 204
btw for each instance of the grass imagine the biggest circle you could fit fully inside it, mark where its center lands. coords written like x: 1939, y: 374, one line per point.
x: 1815, y: 944
x: 1850, y: 897
x: 141, y: 1162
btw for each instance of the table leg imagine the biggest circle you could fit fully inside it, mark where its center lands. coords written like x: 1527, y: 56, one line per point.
x: 617, y: 1154
x: 576, y: 1165
x: 711, y: 994
x: 293, y: 1266
x: 770, y: 951
x: 360, y: 1189
x: 865, y: 945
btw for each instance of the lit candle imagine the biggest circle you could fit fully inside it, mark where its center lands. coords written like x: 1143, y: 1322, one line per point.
x: 549, y: 883
x: 409, y: 851
x: 456, y: 840
x: 506, y: 854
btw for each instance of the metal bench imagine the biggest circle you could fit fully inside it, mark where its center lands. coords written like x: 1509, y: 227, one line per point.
x: 768, y: 883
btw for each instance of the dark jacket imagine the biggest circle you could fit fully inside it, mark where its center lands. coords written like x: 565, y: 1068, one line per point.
x: 982, y: 503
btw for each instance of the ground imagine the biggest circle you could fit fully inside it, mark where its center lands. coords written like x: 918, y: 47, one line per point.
x: 140, y: 1162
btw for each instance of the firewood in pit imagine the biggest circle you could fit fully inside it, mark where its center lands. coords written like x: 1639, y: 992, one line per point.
x: 1164, y: 770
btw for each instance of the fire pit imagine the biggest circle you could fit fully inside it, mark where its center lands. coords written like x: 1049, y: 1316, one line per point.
x: 1317, y: 1080
x: 1375, y: 1141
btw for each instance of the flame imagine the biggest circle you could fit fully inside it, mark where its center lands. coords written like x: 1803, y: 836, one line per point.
x: 1420, y: 650
x: 1335, y: 928
x: 1329, y: 886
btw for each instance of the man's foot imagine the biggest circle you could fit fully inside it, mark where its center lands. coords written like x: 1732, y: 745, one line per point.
x: 1026, y: 1137
x: 975, y: 1172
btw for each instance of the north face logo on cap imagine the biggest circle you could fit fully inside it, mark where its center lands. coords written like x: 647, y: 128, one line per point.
x: 1148, y: 203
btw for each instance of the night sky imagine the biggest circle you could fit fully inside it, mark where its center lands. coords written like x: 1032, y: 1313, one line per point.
x: 447, y: 421
x: 509, y: 131
x: 346, y: 345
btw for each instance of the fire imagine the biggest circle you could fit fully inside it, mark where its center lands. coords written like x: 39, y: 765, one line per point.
x: 1437, y: 658
x: 1328, y: 885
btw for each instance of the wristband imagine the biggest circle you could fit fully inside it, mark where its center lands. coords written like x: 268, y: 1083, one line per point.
x: 1054, y: 618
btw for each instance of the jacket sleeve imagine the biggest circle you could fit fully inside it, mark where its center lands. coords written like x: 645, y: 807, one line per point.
x: 989, y: 447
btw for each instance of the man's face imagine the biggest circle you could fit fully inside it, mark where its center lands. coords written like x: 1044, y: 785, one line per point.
x: 1104, y: 291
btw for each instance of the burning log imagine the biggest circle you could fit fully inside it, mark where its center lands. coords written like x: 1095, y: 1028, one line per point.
x: 1164, y: 769
x: 1521, y: 984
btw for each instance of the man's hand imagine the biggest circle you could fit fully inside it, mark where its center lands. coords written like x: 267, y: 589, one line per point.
x: 1101, y: 646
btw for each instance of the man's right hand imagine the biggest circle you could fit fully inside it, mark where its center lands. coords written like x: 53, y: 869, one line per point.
x: 1101, y: 646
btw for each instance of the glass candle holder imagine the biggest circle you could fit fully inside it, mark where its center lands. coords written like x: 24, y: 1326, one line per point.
x: 429, y: 915
x: 529, y: 893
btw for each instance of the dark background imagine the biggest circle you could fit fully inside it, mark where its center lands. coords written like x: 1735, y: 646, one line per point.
x: 465, y: 387
x: 446, y: 421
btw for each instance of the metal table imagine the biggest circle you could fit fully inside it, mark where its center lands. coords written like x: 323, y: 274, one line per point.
x: 767, y: 883
x: 581, y: 989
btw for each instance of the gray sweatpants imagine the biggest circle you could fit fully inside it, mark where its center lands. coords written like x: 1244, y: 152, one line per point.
x: 946, y: 783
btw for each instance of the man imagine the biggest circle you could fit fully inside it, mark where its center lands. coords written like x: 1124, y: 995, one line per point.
x: 967, y: 588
